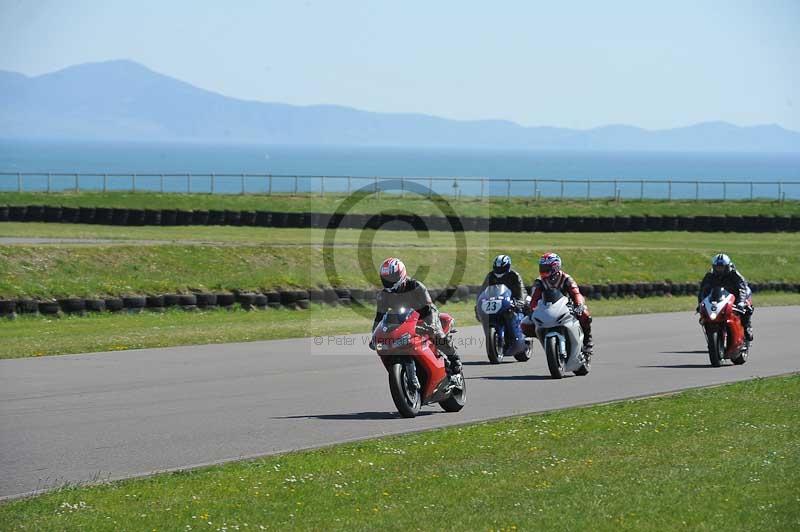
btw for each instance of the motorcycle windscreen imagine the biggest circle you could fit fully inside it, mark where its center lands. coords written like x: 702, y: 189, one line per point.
x: 552, y: 295
x: 718, y: 293
x: 495, y: 290
x: 396, y: 317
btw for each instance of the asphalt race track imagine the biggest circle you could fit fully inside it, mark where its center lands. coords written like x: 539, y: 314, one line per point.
x: 79, y: 418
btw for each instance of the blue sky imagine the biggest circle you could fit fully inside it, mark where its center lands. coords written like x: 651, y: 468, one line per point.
x: 568, y: 64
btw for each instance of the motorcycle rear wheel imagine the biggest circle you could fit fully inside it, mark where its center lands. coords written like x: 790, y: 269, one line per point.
x: 407, y: 401
x: 716, y: 348
x: 457, y: 400
x: 554, y: 362
x: 493, y: 351
x: 525, y: 355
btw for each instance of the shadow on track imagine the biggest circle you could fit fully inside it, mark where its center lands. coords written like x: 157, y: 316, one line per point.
x: 354, y: 416
x: 679, y: 366
x: 693, y: 352
x: 514, y: 378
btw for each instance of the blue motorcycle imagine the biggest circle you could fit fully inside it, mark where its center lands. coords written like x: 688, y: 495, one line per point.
x: 501, y: 325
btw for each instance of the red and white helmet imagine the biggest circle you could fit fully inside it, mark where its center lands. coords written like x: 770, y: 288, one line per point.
x: 550, y: 267
x: 393, y: 273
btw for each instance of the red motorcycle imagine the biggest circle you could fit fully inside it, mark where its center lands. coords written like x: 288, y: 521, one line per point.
x: 723, y: 328
x: 418, y: 375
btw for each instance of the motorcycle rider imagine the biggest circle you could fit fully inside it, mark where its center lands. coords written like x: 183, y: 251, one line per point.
x: 723, y: 274
x: 552, y: 277
x: 400, y: 290
x: 503, y: 274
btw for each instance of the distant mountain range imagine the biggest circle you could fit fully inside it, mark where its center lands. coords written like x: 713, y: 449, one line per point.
x: 123, y: 100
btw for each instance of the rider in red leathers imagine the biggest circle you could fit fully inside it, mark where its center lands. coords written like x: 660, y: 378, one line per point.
x: 551, y: 276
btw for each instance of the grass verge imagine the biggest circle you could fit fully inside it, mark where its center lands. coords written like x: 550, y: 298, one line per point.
x: 419, y: 205
x: 211, y: 258
x: 725, y: 458
x: 30, y: 336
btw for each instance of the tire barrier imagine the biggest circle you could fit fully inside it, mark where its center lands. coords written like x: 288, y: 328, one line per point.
x: 70, y: 215
x: 152, y: 217
x: 303, y: 299
x: 204, y: 300
x: 119, y: 217
x: 514, y: 224
x: 51, y: 214
x: 103, y: 216
x: 86, y: 215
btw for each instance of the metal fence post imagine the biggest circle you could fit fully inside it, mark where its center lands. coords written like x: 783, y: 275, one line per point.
x: 134, y: 182
x: 669, y: 190
x: 242, y: 184
x: 751, y: 190
x: 508, y: 190
x: 213, y: 183
x: 322, y: 186
x: 19, y: 181
x: 189, y: 183
x: 269, y: 184
x: 77, y: 184
x: 49, y: 181
x: 105, y: 182
x: 588, y: 188
x: 562, y: 189
x: 724, y: 190
x: 697, y: 190
x: 641, y: 189
x: 161, y: 183
x: 535, y: 189
x: 482, y: 183
x: 780, y: 190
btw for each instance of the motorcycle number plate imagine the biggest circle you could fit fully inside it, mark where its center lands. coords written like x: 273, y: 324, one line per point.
x: 491, y: 306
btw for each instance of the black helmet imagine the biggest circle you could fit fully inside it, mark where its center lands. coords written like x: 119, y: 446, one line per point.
x: 501, y: 265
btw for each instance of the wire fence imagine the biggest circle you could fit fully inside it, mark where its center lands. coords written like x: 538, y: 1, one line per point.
x: 449, y: 187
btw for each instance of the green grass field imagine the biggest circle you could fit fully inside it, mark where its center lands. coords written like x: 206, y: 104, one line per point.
x: 421, y: 206
x: 724, y: 458
x: 30, y: 336
x: 226, y: 258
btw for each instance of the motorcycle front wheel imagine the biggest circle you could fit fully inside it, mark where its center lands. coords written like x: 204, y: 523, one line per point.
x: 716, y: 348
x: 525, y: 355
x: 554, y: 362
x: 407, y: 400
x: 493, y: 350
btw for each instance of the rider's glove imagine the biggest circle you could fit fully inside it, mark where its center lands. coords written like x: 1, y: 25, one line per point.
x: 741, y: 306
x: 580, y: 309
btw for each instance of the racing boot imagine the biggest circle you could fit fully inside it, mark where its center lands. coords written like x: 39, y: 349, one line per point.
x: 588, y: 344
x: 447, y: 348
x: 748, y: 327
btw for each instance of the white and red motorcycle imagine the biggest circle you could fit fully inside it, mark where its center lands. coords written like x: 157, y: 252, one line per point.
x: 560, y: 334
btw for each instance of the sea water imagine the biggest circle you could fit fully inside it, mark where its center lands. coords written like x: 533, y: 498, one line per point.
x: 587, y: 173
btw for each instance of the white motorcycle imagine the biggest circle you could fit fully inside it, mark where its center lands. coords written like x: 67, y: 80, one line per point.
x: 561, y: 335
